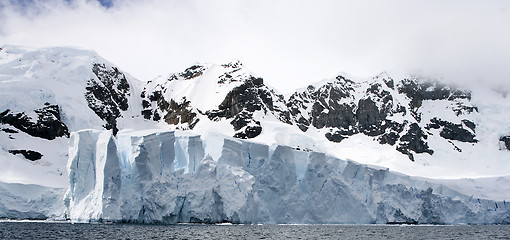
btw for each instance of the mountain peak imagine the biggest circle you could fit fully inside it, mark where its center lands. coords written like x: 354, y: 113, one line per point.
x: 412, y: 117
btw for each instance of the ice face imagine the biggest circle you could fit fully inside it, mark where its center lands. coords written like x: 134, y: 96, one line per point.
x: 29, y: 201
x: 167, y: 177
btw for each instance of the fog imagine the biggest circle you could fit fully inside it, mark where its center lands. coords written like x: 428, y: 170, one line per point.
x: 288, y: 43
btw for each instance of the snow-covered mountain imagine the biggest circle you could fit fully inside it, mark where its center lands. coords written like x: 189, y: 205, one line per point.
x: 415, y: 126
x: 204, y: 95
x: 436, y: 125
x: 48, y: 93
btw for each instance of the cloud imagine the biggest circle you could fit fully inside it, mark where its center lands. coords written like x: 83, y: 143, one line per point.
x: 289, y: 43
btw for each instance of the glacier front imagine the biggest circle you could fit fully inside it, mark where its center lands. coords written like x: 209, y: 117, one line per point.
x: 159, y: 176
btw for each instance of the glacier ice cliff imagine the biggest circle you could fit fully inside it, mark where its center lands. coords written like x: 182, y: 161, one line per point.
x: 172, y: 177
x: 31, y: 201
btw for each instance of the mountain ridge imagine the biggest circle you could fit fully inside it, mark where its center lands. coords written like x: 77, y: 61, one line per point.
x: 230, y: 99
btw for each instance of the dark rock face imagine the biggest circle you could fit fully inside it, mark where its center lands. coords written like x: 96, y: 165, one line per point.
x: 506, y: 141
x: 335, y: 137
x: 414, y: 140
x: 229, y: 77
x: 369, y: 117
x: 190, y: 73
x: 339, y: 107
x: 179, y: 113
x: 8, y: 130
x: 334, y: 106
x: 48, y: 124
x: 28, y: 154
x: 245, y: 97
x: 108, y: 95
x: 391, y: 133
x: 240, y: 104
x: 429, y: 90
x: 418, y: 91
x: 454, y: 131
x: 331, y: 105
x: 173, y: 111
x: 249, y: 132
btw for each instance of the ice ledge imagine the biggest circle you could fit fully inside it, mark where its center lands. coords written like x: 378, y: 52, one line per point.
x: 158, y: 176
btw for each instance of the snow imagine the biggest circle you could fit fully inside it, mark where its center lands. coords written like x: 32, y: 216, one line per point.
x: 204, y: 91
x: 30, y: 201
x: 49, y: 171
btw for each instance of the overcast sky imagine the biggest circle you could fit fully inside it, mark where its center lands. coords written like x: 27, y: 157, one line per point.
x: 290, y: 43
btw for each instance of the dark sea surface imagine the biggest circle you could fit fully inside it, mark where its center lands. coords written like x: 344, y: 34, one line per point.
x: 52, y: 230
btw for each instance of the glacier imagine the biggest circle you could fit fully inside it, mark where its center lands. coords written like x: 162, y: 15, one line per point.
x: 160, y: 176
x: 31, y: 201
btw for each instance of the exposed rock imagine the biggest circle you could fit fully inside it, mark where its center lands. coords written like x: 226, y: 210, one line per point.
x: 379, y: 108
x: 414, y: 140
x: 229, y: 77
x: 333, y: 105
x: 179, y: 113
x: 8, y: 130
x: 247, y: 96
x: 48, y: 124
x: 461, y: 109
x: 454, y: 131
x: 240, y: 103
x: 338, y: 115
x: 389, y: 82
x: 108, y: 95
x: 335, y: 137
x: 506, y: 141
x: 369, y: 117
x: 429, y: 90
x: 190, y: 73
x: 392, y: 132
x: 28, y: 154
x: 249, y: 132
x: 469, y: 124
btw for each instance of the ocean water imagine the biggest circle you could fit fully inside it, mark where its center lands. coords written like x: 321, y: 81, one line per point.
x: 51, y: 230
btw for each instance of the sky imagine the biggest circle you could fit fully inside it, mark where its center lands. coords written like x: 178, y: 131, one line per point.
x: 290, y: 43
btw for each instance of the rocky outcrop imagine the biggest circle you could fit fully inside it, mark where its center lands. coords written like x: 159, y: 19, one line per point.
x: 172, y: 111
x: 242, y: 101
x: 418, y: 91
x: 330, y: 105
x: 455, y: 131
x: 190, y: 73
x: 180, y: 113
x: 28, y: 154
x: 414, y: 140
x: 156, y: 107
x: 48, y: 124
x: 108, y: 95
x: 506, y: 141
x: 346, y: 108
